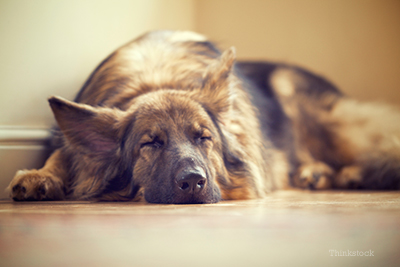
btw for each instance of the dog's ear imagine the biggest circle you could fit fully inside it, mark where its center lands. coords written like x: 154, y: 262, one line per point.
x: 218, y: 72
x: 217, y: 82
x: 91, y: 128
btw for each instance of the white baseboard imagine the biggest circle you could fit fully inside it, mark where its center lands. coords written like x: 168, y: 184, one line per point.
x: 21, y: 148
x: 24, y: 135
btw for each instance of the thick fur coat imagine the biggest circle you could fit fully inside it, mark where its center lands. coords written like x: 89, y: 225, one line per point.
x: 170, y: 119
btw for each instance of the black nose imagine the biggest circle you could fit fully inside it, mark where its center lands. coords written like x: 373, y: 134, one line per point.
x: 191, y: 182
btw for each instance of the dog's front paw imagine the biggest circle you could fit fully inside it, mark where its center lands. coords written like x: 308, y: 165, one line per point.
x: 35, y: 185
x: 316, y: 175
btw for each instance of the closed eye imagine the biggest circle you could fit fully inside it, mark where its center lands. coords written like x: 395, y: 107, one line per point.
x: 154, y: 144
x: 201, y: 138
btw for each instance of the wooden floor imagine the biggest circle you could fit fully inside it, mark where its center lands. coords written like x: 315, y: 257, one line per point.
x: 288, y: 228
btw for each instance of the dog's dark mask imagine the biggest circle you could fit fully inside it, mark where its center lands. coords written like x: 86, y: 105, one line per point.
x: 173, y: 144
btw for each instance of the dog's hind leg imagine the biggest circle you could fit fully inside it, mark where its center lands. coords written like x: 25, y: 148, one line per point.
x: 47, y: 183
x: 372, y: 132
x: 305, y: 98
x: 356, y: 145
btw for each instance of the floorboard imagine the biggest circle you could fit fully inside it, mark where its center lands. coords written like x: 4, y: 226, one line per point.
x: 287, y: 228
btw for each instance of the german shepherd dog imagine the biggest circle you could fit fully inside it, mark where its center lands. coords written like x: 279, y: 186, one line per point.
x: 170, y: 119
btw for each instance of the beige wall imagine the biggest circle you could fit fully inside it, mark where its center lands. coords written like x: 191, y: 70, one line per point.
x: 51, y: 46
x: 356, y: 43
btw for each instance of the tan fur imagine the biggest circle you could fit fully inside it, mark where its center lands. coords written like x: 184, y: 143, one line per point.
x: 369, y: 128
x: 140, y: 78
x: 361, y: 135
x: 169, y: 107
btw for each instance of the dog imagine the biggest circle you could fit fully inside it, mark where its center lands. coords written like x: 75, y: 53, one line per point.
x: 169, y: 118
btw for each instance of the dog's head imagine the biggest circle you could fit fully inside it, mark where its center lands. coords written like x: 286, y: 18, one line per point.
x: 168, y: 141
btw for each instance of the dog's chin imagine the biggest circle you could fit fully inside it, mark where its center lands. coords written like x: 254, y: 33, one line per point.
x: 189, y: 199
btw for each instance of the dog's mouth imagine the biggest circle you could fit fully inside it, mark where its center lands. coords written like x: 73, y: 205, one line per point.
x: 187, y: 200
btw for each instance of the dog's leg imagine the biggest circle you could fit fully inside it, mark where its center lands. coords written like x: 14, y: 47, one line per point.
x: 371, y: 134
x: 331, y: 133
x: 310, y: 173
x: 46, y: 183
x: 305, y: 99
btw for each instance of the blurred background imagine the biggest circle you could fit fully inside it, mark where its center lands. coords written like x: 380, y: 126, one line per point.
x: 49, y: 47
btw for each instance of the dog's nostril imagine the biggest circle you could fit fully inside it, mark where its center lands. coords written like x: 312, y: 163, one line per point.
x: 201, y: 183
x: 184, y: 186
